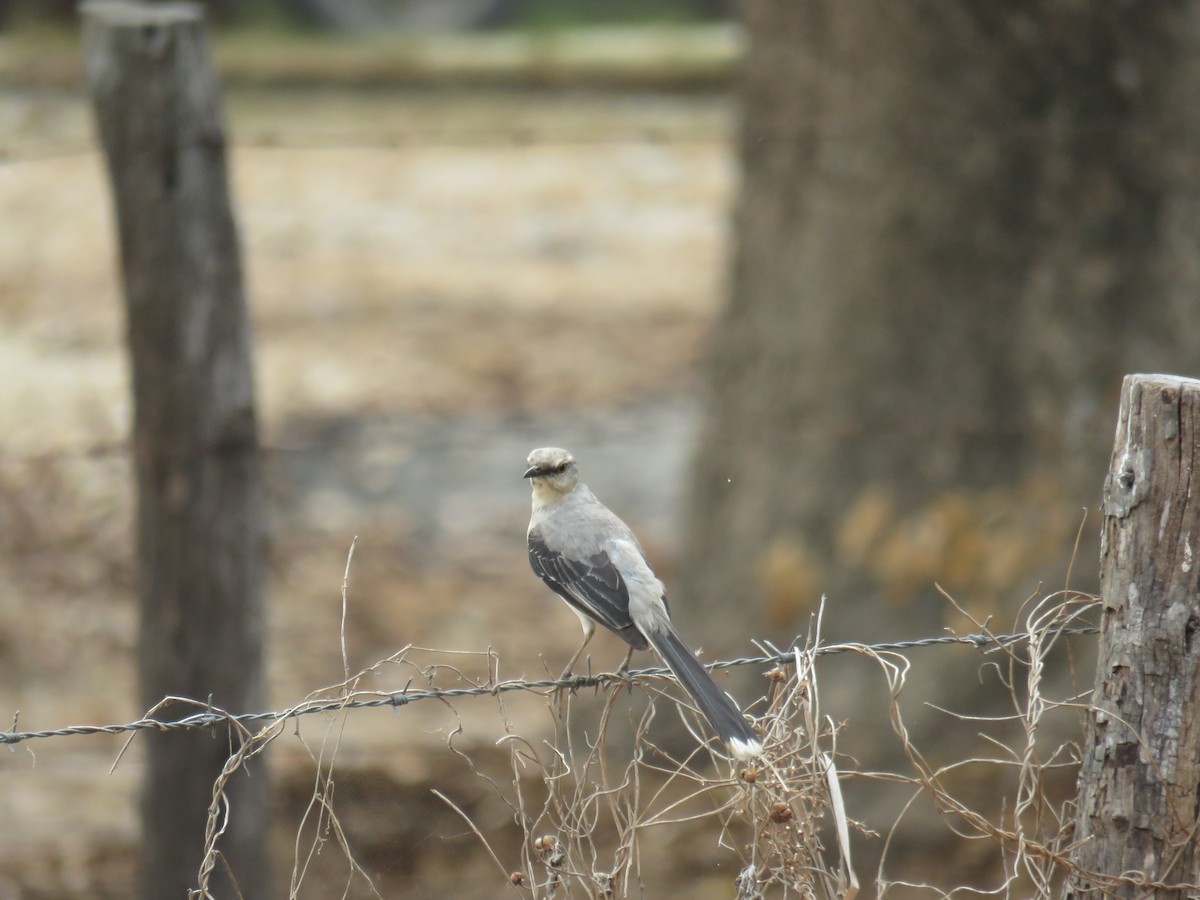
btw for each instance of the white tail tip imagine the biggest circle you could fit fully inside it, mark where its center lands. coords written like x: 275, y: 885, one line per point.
x: 744, y: 750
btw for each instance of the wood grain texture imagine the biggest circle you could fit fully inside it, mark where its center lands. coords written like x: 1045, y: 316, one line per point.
x: 1139, y: 785
x: 200, y: 518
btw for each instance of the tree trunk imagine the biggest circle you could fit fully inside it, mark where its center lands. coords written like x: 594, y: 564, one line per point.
x: 200, y: 525
x: 1140, y: 779
x: 960, y: 224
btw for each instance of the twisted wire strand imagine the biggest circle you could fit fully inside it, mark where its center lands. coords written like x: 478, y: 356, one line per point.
x: 211, y: 718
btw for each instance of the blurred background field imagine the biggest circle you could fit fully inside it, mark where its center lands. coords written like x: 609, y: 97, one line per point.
x: 404, y: 245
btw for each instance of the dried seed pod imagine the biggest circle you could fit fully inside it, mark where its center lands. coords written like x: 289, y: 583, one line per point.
x: 781, y: 812
x: 517, y: 878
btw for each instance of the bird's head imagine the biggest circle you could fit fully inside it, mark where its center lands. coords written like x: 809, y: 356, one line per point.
x: 552, y: 469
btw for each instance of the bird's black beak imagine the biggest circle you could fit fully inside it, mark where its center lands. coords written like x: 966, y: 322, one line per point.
x: 532, y: 472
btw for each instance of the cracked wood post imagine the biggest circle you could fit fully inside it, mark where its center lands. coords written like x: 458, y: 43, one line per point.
x: 1139, y: 784
x: 200, y: 519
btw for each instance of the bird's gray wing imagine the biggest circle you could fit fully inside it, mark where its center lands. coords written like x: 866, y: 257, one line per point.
x: 592, y: 585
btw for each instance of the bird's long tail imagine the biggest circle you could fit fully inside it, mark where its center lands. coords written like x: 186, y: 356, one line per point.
x: 716, y: 705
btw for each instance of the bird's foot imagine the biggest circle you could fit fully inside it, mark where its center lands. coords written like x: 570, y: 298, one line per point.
x: 623, y: 670
x: 559, y: 690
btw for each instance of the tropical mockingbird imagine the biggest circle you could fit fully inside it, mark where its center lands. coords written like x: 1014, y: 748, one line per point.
x: 591, y: 559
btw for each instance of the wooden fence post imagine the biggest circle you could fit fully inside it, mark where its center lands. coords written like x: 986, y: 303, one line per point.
x: 200, y: 518
x: 1140, y: 775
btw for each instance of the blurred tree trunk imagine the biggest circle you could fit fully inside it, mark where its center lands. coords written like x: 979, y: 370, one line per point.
x: 960, y: 225
x: 201, y: 535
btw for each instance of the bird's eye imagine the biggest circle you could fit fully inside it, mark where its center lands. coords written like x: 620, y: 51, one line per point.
x: 560, y: 468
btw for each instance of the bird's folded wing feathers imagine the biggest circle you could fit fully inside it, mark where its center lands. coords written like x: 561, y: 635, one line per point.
x: 593, y: 584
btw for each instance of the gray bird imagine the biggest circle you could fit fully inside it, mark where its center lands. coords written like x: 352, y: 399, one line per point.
x: 591, y: 559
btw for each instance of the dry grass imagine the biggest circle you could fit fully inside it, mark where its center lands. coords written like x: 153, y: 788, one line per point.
x: 584, y: 794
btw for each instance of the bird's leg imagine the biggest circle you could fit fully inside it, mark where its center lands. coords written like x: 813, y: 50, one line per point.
x: 589, y: 629
x: 624, y: 668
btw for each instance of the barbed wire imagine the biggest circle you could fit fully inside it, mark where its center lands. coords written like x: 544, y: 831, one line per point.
x: 211, y: 718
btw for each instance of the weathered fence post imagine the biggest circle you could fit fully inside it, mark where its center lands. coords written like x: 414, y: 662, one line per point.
x: 1140, y: 779
x: 200, y: 521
